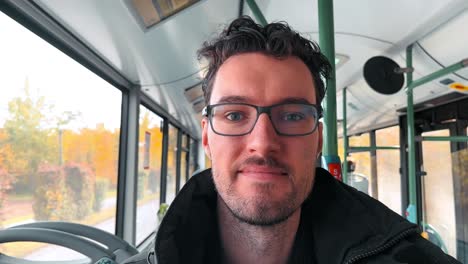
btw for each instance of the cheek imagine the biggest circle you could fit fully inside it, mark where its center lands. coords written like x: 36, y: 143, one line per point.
x: 224, y: 151
x: 302, y: 153
x: 302, y: 156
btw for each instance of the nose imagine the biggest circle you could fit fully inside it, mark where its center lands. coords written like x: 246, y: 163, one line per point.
x: 263, y: 139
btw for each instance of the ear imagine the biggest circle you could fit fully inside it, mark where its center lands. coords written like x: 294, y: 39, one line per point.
x: 206, y: 146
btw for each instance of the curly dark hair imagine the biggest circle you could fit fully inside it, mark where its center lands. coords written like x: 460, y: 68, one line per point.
x: 243, y: 35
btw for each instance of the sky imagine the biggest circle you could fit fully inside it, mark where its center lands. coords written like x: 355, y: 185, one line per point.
x: 62, y: 81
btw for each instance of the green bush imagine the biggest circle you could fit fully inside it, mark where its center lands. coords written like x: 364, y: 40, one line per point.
x: 79, y: 180
x: 101, y: 187
x: 50, y: 196
x: 162, y: 211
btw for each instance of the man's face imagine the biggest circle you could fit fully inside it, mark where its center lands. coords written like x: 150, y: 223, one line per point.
x: 262, y: 177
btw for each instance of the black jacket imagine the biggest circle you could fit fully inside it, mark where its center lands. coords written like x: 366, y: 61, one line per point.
x: 345, y: 225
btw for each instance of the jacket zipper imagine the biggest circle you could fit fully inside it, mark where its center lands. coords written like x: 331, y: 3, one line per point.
x: 383, y: 247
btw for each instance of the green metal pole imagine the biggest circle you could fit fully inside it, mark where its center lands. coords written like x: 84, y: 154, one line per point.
x: 345, y: 138
x: 412, y: 210
x: 453, y: 138
x: 257, y: 12
x: 440, y: 73
x: 330, y: 157
x: 362, y: 149
x: 327, y: 44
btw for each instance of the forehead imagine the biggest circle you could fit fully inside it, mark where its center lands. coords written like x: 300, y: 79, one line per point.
x: 263, y: 80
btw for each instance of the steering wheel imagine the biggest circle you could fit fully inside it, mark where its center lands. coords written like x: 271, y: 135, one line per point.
x: 96, y: 253
x: 119, y: 247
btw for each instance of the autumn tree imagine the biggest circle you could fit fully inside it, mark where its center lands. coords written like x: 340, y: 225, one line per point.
x: 97, y: 147
x: 26, y: 137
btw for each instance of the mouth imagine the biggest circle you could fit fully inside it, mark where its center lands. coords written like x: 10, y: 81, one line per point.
x: 262, y: 173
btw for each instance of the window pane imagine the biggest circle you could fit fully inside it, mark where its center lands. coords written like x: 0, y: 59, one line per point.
x: 389, y: 136
x: 59, y: 140
x: 362, y: 140
x: 183, y: 168
x: 149, y: 173
x: 388, y: 168
x: 460, y: 181
x: 438, y: 191
x: 361, y: 159
x: 341, y: 149
x: 172, y: 165
x: 207, y: 162
x: 184, y: 160
x: 193, y: 157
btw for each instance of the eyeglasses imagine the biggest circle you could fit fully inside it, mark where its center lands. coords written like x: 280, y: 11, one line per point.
x: 238, y: 119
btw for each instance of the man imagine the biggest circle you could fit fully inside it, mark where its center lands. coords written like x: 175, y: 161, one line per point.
x: 264, y: 201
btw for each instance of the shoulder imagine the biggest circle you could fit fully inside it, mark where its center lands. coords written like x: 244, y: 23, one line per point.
x: 413, y: 250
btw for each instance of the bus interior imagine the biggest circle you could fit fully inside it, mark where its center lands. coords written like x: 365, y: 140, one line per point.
x: 101, y: 101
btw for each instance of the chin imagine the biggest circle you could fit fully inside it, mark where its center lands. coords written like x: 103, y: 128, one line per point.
x: 262, y: 211
x: 261, y: 216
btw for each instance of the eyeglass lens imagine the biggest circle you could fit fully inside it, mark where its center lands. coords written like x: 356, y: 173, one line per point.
x: 289, y: 119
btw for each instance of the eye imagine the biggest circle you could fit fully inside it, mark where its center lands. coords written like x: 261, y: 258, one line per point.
x: 293, y: 117
x: 234, y: 116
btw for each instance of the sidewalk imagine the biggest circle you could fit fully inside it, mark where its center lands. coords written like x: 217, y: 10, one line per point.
x: 17, y: 212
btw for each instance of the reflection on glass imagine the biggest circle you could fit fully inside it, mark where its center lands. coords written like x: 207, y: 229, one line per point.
x: 59, y: 140
x: 172, y: 165
x: 438, y: 191
x: 149, y: 173
x: 388, y: 165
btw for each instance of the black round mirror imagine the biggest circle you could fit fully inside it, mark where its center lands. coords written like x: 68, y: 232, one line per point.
x: 380, y: 74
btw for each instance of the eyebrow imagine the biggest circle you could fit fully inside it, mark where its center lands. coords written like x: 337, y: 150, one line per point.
x: 243, y: 99
x: 295, y: 100
x: 233, y: 99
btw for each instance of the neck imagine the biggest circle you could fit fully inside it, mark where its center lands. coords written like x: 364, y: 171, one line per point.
x: 246, y: 243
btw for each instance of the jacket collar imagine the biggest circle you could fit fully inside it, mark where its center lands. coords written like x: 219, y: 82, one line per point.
x: 345, y: 222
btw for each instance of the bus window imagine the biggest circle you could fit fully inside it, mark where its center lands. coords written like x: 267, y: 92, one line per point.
x: 460, y: 174
x: 362, y: 160
x: 388, y: 164
x: 59, y: 141
x: 149, y: 173
x: 438, y: 190
x: 171, y: 165
x: 193, y: 157
x: 184, y: 160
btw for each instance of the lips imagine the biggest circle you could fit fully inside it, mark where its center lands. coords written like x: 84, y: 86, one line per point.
x: 262, y: 169
x: 262, y: 172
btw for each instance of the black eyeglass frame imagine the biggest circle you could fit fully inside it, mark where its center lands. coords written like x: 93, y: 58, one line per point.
x: 206, y: 112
